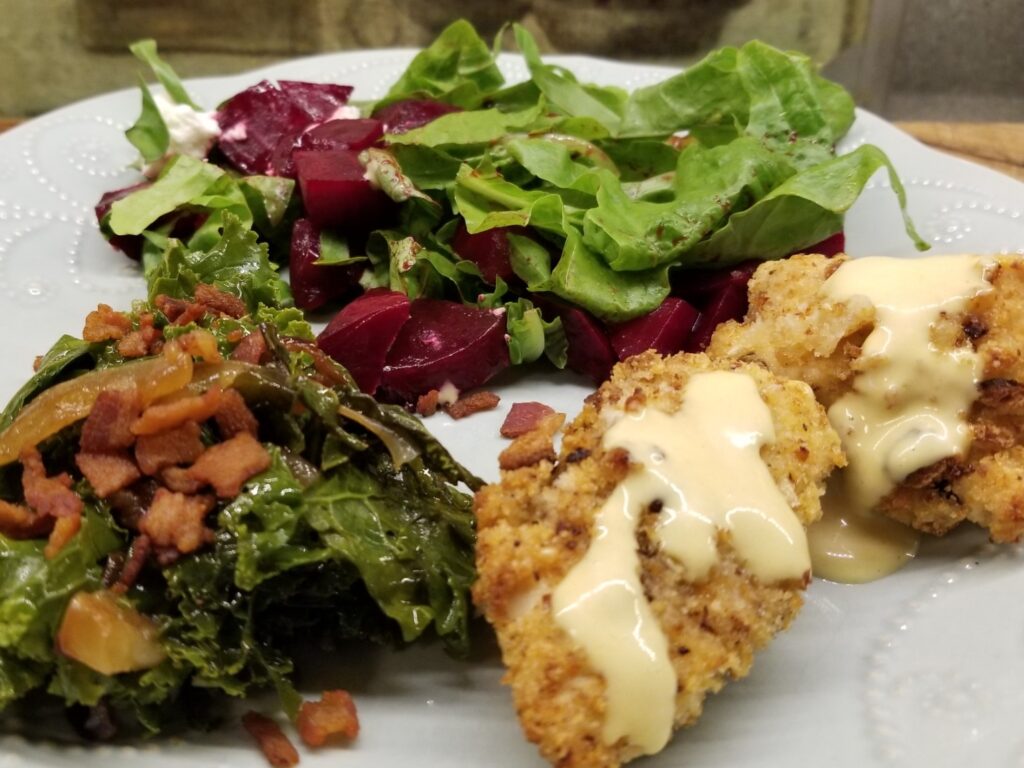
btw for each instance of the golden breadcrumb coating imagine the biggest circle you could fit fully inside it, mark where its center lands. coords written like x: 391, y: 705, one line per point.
x: 797, y: 334
x: 535, y: 525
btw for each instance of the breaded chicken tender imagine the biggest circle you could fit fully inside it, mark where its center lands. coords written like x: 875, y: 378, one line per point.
x: 792, y: 330
x: 537, y: 523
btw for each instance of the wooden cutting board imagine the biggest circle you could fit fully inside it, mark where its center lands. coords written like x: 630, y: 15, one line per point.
x: 997, y: 145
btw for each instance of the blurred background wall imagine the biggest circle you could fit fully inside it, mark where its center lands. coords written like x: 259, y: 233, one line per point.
x: 907, y: 59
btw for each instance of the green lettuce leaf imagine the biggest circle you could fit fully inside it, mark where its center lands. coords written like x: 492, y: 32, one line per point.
x: 149, y: 133
x: 481, y: 126
x: 530, y: 336
x: 183, y: 180
x: 145, y: 51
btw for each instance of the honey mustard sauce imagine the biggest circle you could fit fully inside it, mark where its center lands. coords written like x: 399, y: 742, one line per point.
x: 703, y: 466
x: 907, y: 408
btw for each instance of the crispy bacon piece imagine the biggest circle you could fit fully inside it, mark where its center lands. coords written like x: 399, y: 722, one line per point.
x: 64, y: 530
x: 142, y: 341
x: 138, y: 554
x: 219, y: 301
x: 104, y: 324
x: 334, y: 714
x: 523, y: 418
x: 176, y: 520
x: 108, y: 472
x: 474, y: 403
x: 169, y: 415
x: 251, y: 348
x: 108, y: 427
x: 180, y: 445
x: 179, y: 480
x: 234, y: 417
x: 20, y: 522
x: 533, y: 447
x: 426, y: 405
x: 48, y: 496
x: 179, y: 311
x: 226, y: 466
x: 273, y: 743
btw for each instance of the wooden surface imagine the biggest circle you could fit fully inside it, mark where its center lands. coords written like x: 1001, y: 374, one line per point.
x: 997, y: 145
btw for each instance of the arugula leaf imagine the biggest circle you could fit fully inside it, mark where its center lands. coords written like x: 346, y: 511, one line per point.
x: 802, y: 211
x: 458, y: 67
x: 149, y: 133
x: 237, y: 263
x: 145, y: 51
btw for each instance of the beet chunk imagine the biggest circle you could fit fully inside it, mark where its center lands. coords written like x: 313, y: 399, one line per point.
x: 129, y: 245
x: 360, y: 336
x: 404, y: 115
x: 313, y: 285
x: 590, y: 352
x: 489, y: 250
x: 334, y: 134
x: 336, y: 192
x: 729, y: 304
x: 445, y: 341
x: 664, y: 330
x: 700, y: 285
x: 830, y: 246
x: 254, y: 121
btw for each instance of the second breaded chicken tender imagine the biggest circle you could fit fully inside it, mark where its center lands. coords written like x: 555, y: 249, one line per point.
x: 548, y: 524
x: 796, y: 329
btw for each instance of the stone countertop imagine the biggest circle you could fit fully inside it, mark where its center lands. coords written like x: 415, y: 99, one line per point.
x: 997, y: 145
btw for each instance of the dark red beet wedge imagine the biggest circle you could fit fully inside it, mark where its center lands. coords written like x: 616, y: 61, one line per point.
x: 360, y: 336
x: 334, y: 134
x: 729, y: 304
x: 336, y: 193
x: 402, y: 116
x: 664, y: 330
x: 700, y: 285
x: 445, y: 341
x: 313, y: 285
x: 254, y: 121
x: 590, y: 352
x: 489, y: 250
x: 129, y: 245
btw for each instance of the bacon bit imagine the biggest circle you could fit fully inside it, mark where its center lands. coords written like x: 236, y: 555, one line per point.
x: 108, y: 427
x: 334, y: 714
x: 202, y: 344
x: 179, y: 311
x: 133, y: 345
x: 179, y: 480
x: 181, y: 445
x: 524, y: 417
x: 104, y: 324
x: 251, y: 348
x: 234, y: 417
x: 273, y: 743
x: 228, y: 465
x: 176, y: 520
x: 19, y: 522
x: 426, y: 405
x: 220, y: 301
x: 138, y: 554
x: 169, y: 415
x: 64, y: 530
x: 535, y: 446
x: 235, y: 336
x: 107, y: 473
x: 474, y: 403
x: 48, y: 496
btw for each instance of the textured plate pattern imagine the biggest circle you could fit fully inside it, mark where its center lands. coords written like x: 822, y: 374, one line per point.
x: 924, y: 668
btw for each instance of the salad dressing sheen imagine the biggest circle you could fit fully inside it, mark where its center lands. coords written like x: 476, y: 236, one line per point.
x: 703, y: 465
x: 907, y: 409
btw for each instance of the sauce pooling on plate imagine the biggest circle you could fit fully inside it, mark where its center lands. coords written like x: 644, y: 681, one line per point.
x: 907, y: 408
x: 703, y: 466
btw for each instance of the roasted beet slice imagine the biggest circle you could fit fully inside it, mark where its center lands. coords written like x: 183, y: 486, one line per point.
x: 360, y: 336
x: 334, y: 134
x: 698, y: 286
x: 729, y: 304
x: 590, y: 352
x: 489, y: 250
x: 129, y: 245
x: 445, y: 341
x: 664, y: 330
x: 253, y: 122
x: 313, y: 285
x: 336, y: 193
x: 830, y: 246
x: 404, y: 115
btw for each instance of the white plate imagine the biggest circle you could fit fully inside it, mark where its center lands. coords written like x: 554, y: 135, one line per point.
x: 923, y: 668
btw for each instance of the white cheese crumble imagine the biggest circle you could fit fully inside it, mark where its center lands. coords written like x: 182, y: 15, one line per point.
x: 191, y: 132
